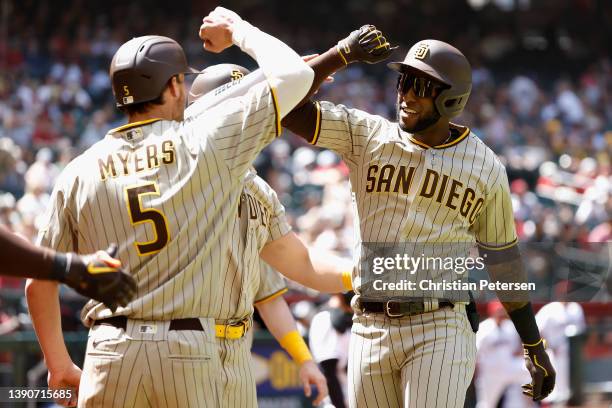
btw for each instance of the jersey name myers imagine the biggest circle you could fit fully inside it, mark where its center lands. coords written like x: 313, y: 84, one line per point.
x: 146, y: 157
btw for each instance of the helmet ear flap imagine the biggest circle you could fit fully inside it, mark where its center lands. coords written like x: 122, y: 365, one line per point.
x: 450, y: 104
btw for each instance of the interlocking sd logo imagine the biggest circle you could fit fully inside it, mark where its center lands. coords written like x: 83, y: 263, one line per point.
x: 421, y: 51
x: 236, y: 74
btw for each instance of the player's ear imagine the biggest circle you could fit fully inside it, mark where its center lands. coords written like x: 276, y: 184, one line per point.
x: 174, y: 84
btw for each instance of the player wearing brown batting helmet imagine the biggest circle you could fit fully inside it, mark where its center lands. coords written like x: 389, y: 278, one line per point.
x: 429, y: 186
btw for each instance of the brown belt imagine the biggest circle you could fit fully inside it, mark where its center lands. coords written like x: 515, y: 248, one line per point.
x: 398, y: 309
x: 120, y: 322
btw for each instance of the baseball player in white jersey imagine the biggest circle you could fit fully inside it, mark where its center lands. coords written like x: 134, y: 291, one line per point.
x: 329, y: 338
x: 557, y: 321
x: 168, y: 192
x: 499, y: 362
x: 250, y: 281
x: 425, y: 183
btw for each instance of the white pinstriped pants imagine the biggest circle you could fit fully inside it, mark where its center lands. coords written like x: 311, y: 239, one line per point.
x: 239, y: 389
x: 421, y: 361
x: 150, y: 367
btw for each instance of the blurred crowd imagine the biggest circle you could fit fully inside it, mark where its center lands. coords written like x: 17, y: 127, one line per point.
x: 541, y: 99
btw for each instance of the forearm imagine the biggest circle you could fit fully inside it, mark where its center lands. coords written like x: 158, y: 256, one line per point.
x: 516, y: 302
x: 22, y: 259
x: 44, y: 308
x: 512, y: 272
x: 323, y: 65
x: 284, y: 69
x: 332, y: 274
x: 303, y: 119
x: 289, y: 256
x: 277, y: 317
x: 281, y: 324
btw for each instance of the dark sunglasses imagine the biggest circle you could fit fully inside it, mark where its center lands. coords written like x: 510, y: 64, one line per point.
x: 423, y: 87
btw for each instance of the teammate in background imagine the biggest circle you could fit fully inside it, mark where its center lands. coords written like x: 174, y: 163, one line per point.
x: 251, y: 281
x: 329, y: 337
x: 500, y: 370
x: 320, y: 271
x: 422, y: 181
x: 96, y: 276
x: 168, y: 191
x: 557, y: 322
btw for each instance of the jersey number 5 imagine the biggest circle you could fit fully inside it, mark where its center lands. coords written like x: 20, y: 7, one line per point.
x: 139, y: 215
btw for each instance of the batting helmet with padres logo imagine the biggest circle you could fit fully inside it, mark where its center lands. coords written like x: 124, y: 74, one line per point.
x: 141, y: 68
x: 445, y: 64
x: 213, y: 77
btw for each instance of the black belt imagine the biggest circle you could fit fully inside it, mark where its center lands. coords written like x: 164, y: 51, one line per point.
x: 120, y: 322
x: 394, y: 308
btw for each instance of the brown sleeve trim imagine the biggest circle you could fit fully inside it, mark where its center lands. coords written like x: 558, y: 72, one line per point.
x: 499, y: 247
x: 271, y: 297
x: 317, y: 131
x: 276, y: 111
x: 501, y: 254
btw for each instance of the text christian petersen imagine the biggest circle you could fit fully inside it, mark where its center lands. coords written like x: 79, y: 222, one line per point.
x: 404, y: 264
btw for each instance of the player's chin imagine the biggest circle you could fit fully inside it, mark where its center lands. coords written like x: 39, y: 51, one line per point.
x: 408, y: 122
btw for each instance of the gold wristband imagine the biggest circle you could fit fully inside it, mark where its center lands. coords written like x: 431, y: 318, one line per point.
x: 341, y: 55
x: 347, y: 280
x: 536, y: 344
x: 294, y: 344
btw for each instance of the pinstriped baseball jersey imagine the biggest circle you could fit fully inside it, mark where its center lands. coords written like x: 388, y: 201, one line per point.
x: 261, y: 219
x: 271, y: 284
x: 168, y: 193
x: 406, y: 191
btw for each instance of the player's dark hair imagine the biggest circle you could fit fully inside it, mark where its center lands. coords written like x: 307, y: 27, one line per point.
x: 143, y: 107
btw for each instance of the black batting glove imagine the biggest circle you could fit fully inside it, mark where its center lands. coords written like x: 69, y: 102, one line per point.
x: 366, y: 45
x: 97, y: 276
x: 541, y: 370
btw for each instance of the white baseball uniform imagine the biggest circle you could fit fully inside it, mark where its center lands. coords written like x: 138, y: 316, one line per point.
x: 501, y: 365
x: 248, y: 281
x: 557, y: 321
x: 168, y: 193
x: 405, y: 191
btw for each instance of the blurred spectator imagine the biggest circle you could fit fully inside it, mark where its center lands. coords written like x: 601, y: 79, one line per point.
x: 329, y: 342
x: 500, y: 366
x: 558, y: 321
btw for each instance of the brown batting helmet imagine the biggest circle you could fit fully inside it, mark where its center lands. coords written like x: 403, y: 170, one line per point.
x: 213, y: 77
x: 446, y: 64
x: 141, y: 68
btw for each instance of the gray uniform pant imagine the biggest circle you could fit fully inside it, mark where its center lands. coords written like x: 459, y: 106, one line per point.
x: 420, y: 361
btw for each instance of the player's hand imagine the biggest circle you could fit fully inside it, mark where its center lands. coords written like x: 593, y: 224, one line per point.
x: 217, y: 29
x: 541, y: 370
x: 67, y: 378
x: 311, y: 375
x: 99, y: 276
x: 366, y: 44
